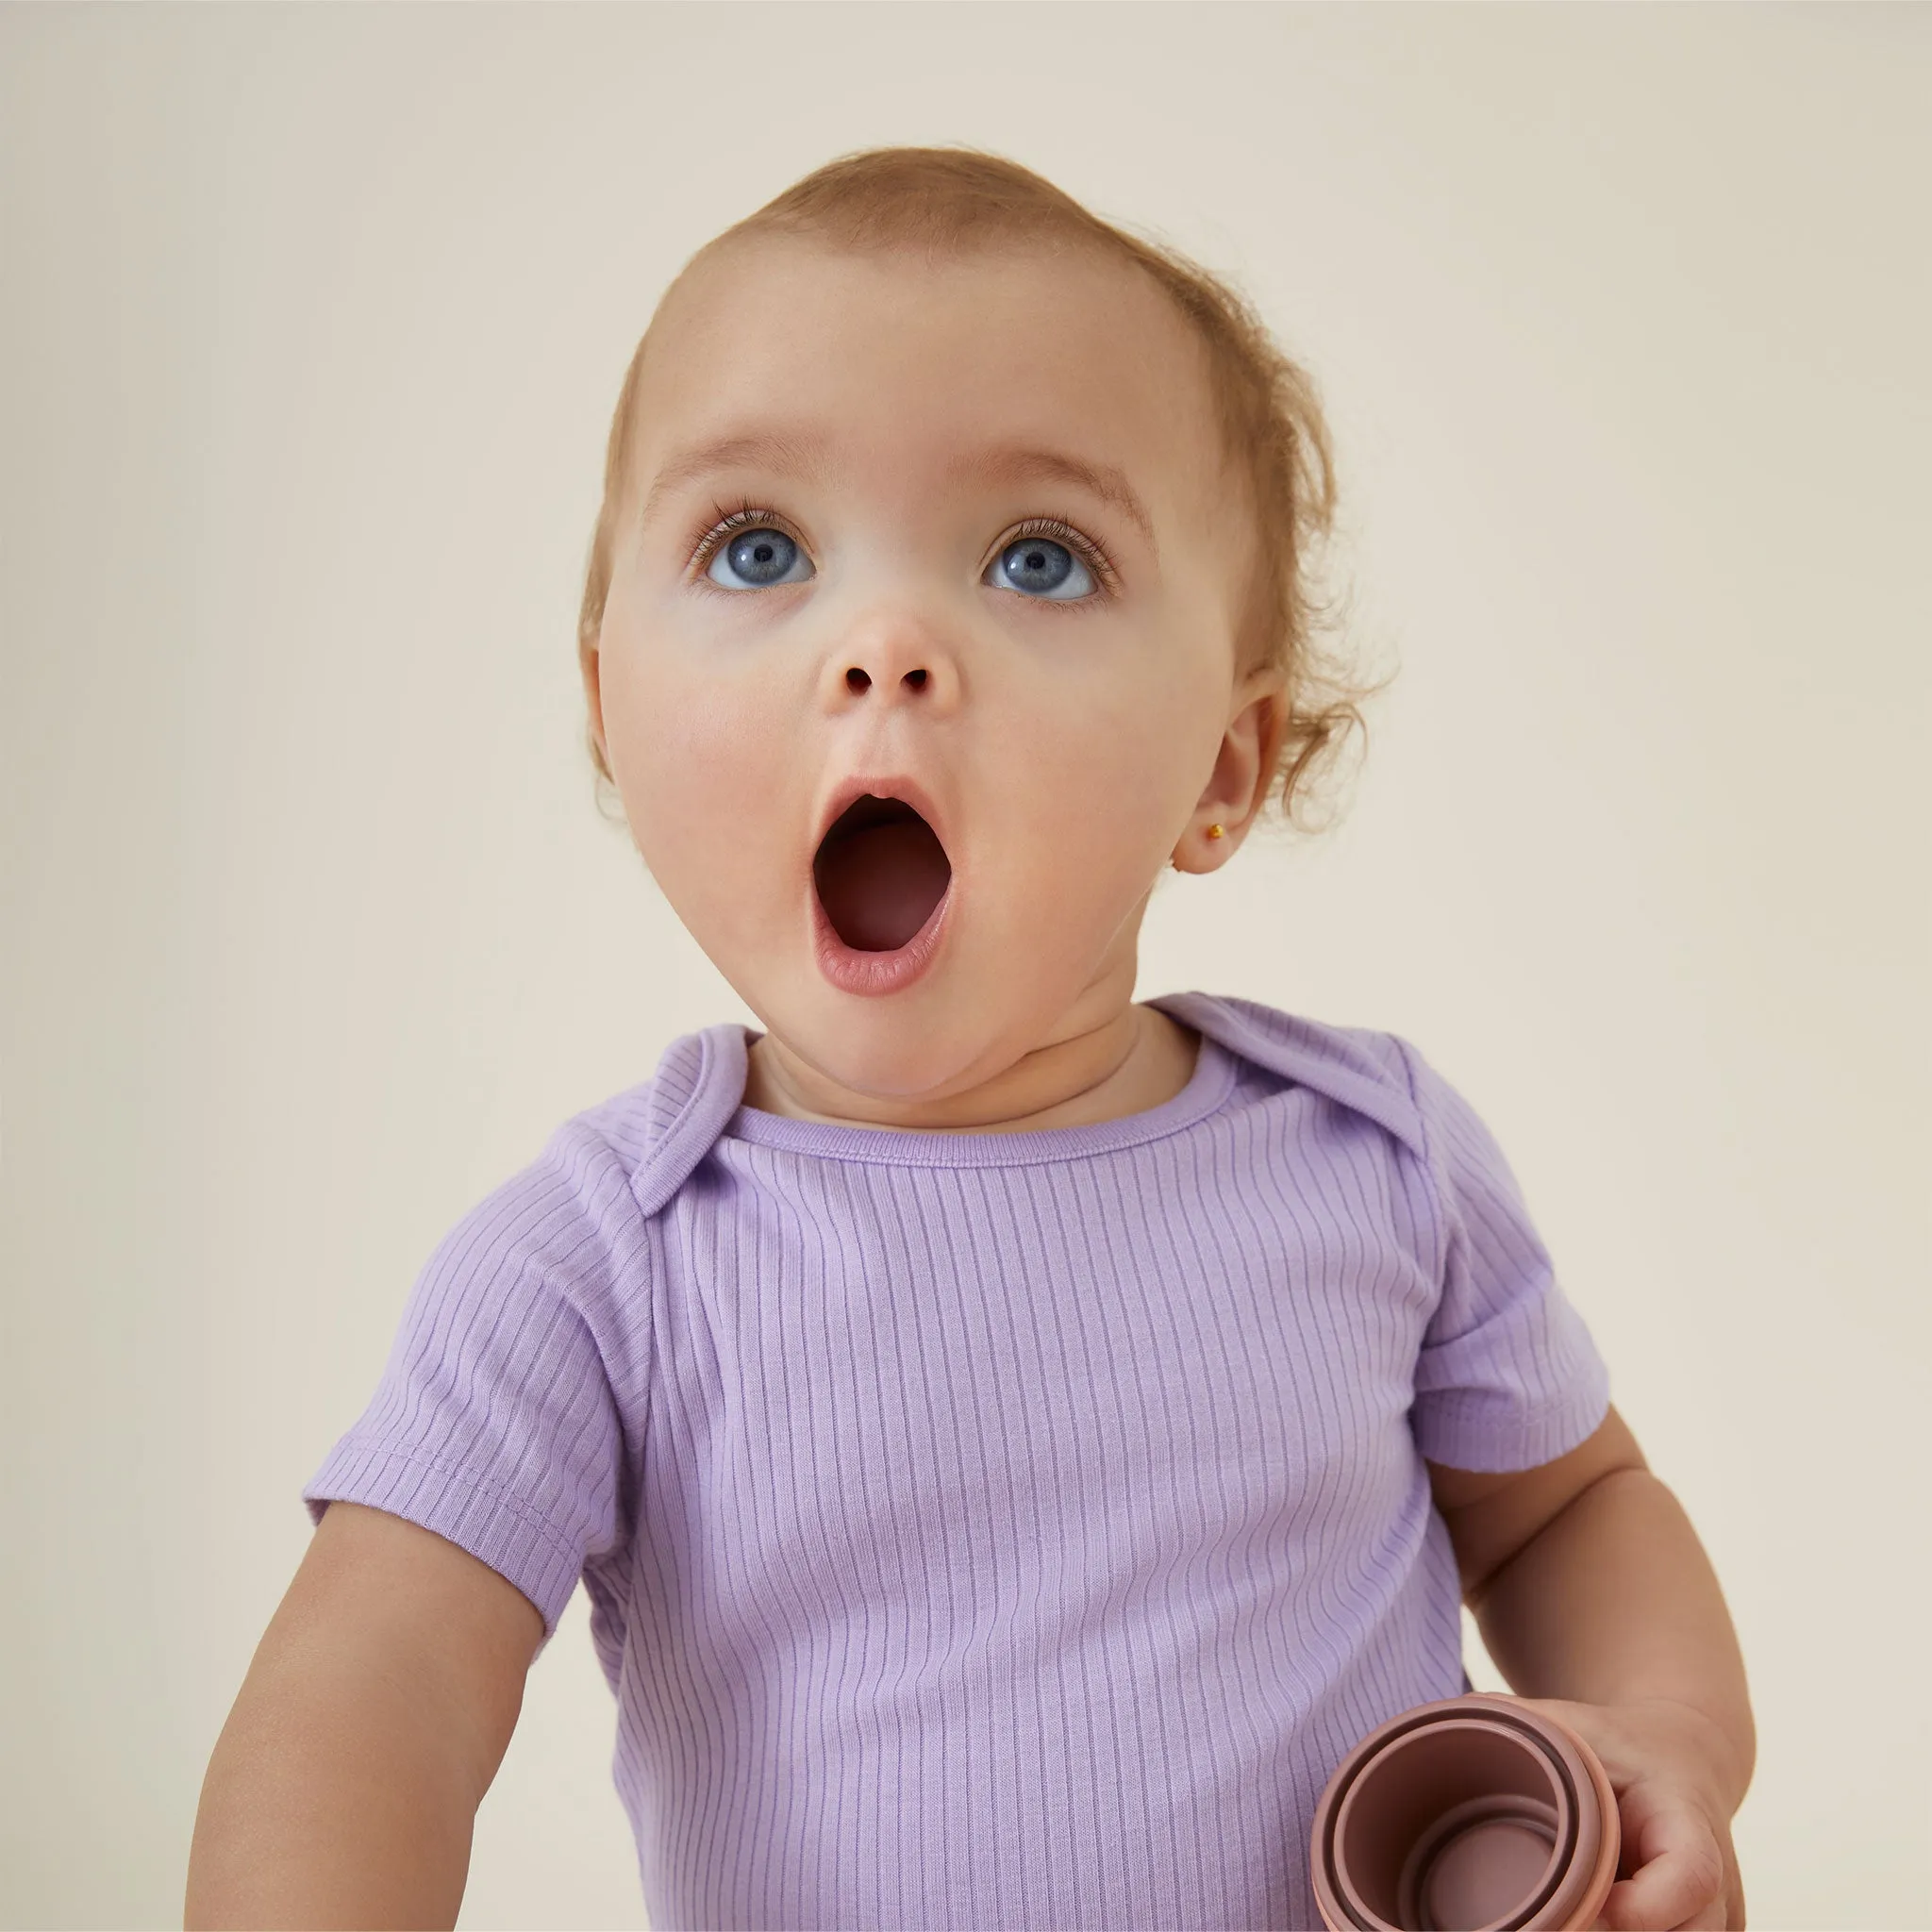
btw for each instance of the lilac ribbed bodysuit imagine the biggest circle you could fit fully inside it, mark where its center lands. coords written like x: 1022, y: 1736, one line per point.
x: 989, y: 1530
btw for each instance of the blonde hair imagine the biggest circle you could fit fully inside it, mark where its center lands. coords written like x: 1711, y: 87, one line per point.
x: 949, y: 201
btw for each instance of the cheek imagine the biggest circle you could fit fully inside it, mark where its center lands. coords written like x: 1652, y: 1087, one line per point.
x: 1071, y: 816
x: 702, y: 771
x: 1109, y: 764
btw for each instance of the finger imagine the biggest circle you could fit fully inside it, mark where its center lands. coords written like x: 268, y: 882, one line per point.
x: 1676, y: 1866
x: 1620, y: 1915
x: 1711, y: 1919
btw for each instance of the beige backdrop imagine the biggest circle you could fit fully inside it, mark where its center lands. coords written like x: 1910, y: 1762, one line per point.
x: 312, y: 326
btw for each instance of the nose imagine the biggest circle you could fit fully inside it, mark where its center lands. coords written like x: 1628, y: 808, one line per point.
x: 899, y: 657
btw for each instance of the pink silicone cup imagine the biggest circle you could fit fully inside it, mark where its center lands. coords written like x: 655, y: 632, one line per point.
x: 1470, y: 1814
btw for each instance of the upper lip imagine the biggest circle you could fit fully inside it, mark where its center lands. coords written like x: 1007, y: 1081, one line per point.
x: 890, y: 785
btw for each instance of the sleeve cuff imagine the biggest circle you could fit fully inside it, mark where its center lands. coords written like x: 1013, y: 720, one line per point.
x: 1478, y: 1430
x: 491, y: 1524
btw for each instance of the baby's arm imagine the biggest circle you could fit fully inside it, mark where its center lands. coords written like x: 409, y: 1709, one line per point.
x: 1587, y: 1582
x: 344, y: 1785
x: 1598, y: 1604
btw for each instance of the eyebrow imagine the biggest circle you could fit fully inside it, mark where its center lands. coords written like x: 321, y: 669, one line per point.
x: 798, y: 455
x: 1014, y: 462
x: 804, y: 456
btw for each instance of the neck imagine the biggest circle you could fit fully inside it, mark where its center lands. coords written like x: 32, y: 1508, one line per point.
x: 1134, y: 1063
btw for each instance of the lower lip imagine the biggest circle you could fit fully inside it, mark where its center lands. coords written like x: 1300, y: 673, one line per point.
x: 872, y: 973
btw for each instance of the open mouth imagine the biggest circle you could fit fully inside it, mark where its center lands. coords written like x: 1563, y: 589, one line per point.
x: 880, y: 870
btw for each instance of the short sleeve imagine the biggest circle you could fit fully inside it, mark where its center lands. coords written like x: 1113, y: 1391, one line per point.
x: 1508, y: 1376
x: 494, y: 1422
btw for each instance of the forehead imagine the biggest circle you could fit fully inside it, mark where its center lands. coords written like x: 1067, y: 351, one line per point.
x: 894, y: 365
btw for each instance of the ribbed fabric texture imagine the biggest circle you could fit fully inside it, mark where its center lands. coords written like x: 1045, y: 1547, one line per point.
x: 991, y: 1530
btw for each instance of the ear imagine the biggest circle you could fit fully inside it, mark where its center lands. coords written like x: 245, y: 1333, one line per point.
x: 1266, y: 716
x: 1237, y: 787
x: 588, y: 663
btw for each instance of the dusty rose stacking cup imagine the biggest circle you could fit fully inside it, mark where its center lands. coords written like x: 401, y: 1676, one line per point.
x: 1469, y: 1815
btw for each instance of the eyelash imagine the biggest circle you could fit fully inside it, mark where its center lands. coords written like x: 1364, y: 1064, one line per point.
x: 747, y: 515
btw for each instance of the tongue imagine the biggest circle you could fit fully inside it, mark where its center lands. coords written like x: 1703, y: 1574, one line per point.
x: 879, y: 885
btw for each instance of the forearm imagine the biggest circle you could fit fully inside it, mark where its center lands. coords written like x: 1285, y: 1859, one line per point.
x: 330, y: 1801
x: 1614, y: 1602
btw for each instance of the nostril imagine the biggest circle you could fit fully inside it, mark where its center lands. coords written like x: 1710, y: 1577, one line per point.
x: 857, y: 680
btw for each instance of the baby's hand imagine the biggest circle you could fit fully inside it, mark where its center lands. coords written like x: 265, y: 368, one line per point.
x: 1669, y: 1805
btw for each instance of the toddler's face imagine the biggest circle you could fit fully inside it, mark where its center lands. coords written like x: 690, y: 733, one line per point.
x: 890, y: 606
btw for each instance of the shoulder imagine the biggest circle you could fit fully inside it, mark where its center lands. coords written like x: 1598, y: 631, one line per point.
x: 696, y: 1073
x: 1360, y: 1068
x: 572, y: 1223
x: 1383, y: 1077
x: 630, y: 1155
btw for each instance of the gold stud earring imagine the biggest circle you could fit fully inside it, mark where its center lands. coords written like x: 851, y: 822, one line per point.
x: 1213, y: 832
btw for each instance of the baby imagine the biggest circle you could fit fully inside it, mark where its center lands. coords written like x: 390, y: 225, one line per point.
x: 1015, y: 1440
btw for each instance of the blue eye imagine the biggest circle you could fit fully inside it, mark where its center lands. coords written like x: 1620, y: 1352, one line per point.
x: 1040, y: 565
x: 759, y: 557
